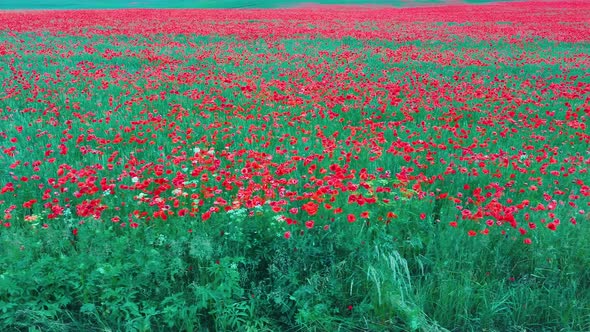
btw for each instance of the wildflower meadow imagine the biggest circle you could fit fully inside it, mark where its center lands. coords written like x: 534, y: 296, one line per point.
x: 314, y: 168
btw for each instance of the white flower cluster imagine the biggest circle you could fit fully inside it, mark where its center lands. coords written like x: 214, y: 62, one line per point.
x: 210, y: 152
x: 160, y: 240
x: 278, y: 218
x: 238, y: 214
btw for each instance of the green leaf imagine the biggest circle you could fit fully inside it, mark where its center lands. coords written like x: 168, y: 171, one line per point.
x: 5, y: 306
x: 88, y: 308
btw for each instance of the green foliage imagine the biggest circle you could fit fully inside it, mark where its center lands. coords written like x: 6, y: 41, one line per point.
x: 241, y: 274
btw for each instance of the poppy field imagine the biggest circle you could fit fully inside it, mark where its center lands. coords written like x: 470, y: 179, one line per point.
x: 303, y: 169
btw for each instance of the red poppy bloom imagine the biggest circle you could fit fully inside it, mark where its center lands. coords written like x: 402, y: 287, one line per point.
x: 310, y: 207
x: 351, y: 218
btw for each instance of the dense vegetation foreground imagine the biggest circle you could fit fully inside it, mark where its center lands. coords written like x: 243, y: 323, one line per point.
x: 309, y: 169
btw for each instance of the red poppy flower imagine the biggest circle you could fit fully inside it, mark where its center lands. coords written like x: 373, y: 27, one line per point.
x: 351, y: 218
x: 310, y: 207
